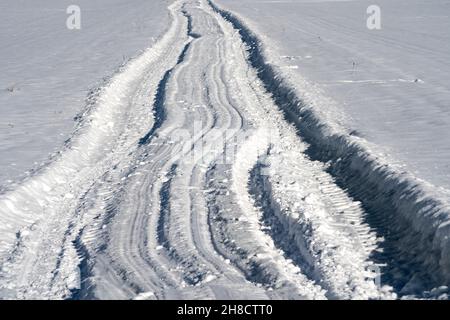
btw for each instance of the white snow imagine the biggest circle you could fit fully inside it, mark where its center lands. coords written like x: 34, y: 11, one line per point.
x: 413, y: 203
x: 318, y: 199
x: 390, y: 86
x: 47, y: 69
x: 79, y: 162
x: 145, y: 296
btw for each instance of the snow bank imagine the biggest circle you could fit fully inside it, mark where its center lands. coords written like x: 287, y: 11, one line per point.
x: 48, y: 70
x: 383, y: 189
x: 77, y: 163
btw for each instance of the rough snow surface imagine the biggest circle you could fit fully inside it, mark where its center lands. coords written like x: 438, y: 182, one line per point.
x: 204, y: 169
x: 48, y: 70
x: 392, y: 84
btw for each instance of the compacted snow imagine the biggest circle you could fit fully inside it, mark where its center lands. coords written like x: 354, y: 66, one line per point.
x: 47, y: 70
x: 229, y: 161
x: 393, y: 84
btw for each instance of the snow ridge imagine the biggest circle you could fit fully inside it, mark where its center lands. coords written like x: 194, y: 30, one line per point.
x: 186, y: 181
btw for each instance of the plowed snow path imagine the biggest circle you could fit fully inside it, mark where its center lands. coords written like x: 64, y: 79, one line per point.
x: 185, y: 181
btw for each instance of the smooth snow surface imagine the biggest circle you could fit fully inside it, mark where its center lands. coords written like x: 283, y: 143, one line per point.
x: 47, y: 70
x: 208, y: 168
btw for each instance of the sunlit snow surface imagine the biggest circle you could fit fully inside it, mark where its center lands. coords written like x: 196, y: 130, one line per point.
x: 311, y: 128
x: 392, y: 84
x: 47, y: 69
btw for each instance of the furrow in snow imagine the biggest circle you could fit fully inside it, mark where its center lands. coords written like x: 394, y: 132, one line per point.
x: 401, y: 199
x: 186, y: 181
x: 240, y: 242
x: 331, y: 244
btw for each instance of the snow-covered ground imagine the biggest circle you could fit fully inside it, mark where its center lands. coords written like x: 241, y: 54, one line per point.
x: 210, y: 166
x: 47, y: 70
x: 371, y: 74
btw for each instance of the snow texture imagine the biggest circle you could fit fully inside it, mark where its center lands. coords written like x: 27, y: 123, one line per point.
x: 48, y: 70
x: 208, y: 168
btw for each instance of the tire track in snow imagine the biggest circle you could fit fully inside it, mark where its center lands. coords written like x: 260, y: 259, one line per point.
x: 400, y: 209
x: 182, y: 264
x: 191, y: 248
x: 228, y: 235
